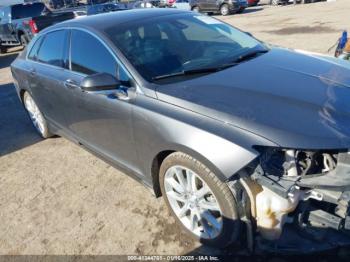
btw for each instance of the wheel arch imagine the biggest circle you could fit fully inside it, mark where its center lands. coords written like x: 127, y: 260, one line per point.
x: 194, y: 6
x: 225, y: 2
x: 219, y: 169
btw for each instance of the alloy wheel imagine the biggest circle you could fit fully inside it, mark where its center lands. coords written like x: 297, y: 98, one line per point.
x: 193, y: 202
x: 224, y: 10
x: 34, y: 114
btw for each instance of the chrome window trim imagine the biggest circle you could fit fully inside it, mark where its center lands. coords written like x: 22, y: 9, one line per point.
x: 104, y: 44
x: 32, y: 46
x: 69, y: 55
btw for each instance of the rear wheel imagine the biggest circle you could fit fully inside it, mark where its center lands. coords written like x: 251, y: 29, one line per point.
x: 37, y: 118
x: 3, y: 49
x: 201, y: 204
x: 224, y: 9
x: 274, y: 2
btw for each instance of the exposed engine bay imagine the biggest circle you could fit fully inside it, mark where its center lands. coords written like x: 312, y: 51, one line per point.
x: 307, y: 192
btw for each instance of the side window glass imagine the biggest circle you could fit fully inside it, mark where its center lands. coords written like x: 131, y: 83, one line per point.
x: 52, y: 48
x: 34, y: 51
x: 122, y: 75
x: 89, y: 56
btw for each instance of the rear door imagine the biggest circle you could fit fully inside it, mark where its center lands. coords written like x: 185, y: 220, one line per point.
x: 212, y: 5
x: 48, y: 74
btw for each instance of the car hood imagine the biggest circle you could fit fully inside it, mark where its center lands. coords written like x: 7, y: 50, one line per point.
x: 294, y: 99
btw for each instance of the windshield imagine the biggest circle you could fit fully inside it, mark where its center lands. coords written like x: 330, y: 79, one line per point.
x: 169, y: 44
x: 27, y: 10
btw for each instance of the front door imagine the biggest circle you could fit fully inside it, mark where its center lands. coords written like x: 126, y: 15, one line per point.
x: 212, y: 5
x: 100, y: 122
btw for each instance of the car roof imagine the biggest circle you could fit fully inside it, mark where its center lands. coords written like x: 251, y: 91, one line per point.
x: 106, y: 20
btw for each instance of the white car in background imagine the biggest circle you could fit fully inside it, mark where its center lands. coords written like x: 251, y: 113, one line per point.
x: 182, y: 4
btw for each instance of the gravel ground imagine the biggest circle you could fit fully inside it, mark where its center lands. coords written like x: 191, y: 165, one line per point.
x: 57, y: 198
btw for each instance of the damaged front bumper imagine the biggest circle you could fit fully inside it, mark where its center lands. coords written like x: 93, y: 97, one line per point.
x: 299, y: 205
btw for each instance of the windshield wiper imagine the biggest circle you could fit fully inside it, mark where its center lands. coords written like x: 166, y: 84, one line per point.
x: 249, y: 55
x: 195, y: 71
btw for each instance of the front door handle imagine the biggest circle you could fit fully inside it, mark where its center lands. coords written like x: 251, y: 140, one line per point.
x: 69, y: 83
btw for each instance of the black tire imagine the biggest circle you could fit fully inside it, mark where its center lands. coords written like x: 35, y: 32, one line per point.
x: 224, y: 10
x: 3, y: 49
x: 45, y: 133
x: 231, y: 223
x: 195, y: 9
x: 240, y: 11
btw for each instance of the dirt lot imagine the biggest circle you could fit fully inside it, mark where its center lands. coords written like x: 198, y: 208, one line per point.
x: 58, y: 199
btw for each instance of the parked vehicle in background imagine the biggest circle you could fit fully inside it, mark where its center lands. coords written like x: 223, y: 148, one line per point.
x: 143, y: 4
x: 105, y: 8
x: 113, y: 6
x: 57, y: 4
x: 253, y: 2
x: 182, y: 4
x: 20, y: 22
x: 278, y: 2
x: 171, y: 2
x: 166, y: 3
x: 97, y: 2
x: 224, y: 7
x: 79, y: 13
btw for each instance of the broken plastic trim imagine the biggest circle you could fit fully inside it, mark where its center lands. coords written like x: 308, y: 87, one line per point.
x: 321, y: 218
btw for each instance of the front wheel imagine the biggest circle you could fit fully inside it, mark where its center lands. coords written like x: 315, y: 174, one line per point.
x: 201, y: 204
x: 224, y: 9
x: 37, y: 118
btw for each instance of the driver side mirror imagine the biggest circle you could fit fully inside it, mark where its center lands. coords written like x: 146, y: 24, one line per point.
x: 99, y: 82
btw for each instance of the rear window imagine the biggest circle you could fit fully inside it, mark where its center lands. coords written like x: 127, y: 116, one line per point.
x: 27, y: 10
x: 34, y: 51
x: 52, y: 48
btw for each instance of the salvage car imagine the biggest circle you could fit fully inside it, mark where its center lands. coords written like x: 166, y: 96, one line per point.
x: 168, y: 97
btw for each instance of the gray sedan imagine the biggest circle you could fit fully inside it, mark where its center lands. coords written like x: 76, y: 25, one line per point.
x: 244, y: 141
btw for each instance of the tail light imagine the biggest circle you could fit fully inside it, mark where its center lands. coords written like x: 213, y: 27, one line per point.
x: 33, y: 26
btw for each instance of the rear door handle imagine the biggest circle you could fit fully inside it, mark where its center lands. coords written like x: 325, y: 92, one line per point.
x: 69, y: 83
